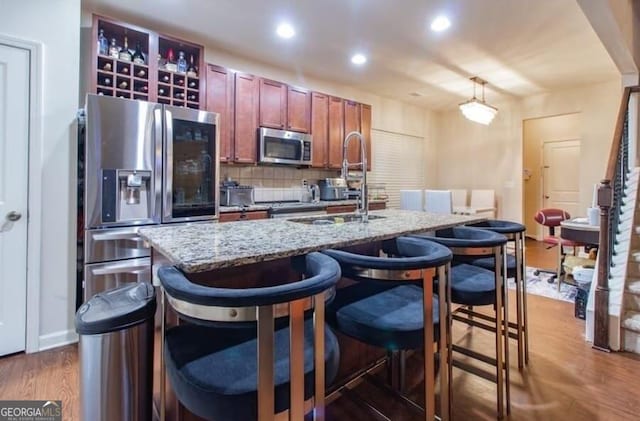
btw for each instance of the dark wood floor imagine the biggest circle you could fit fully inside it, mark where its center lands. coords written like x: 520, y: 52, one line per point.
x: 565, y: 380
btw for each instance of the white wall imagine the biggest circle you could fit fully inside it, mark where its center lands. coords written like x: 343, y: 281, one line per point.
x: 55, y: 24
x: 470, y: 155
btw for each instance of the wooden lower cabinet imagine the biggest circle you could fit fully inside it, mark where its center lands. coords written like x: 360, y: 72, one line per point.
x: 341, y: 209
x: 242, y: 216
x: 377, y: 205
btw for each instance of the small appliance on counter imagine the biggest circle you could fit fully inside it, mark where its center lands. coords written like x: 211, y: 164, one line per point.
x: 233, y: 194
x: 333, y: 188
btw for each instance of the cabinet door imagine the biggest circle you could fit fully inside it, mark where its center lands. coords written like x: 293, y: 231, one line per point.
x: 273, y: 104
x: 220, y: 88
x: 298, y: 110
x: 365, y: 126
x: 246, y: 118
x: 320, y: 129
x: 336, y: 131
x: 352, y: 124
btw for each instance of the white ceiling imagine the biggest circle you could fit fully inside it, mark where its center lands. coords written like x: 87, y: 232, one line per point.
x: 521, y: 47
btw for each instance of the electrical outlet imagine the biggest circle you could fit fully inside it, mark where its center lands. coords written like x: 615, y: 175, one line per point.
x: 304, y: 183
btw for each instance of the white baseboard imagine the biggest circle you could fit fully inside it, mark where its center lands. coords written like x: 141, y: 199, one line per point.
x: 56, y: 339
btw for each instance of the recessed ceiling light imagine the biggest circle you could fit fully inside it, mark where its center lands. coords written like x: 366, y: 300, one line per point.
x: 285, y: 30
x: 440, y: 24
x: 358, y: 59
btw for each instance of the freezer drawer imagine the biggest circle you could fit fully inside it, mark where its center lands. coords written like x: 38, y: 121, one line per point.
x: 99, y: 277
x: 114, y: 244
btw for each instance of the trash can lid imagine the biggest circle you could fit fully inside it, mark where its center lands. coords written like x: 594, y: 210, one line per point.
x: 116, y: 309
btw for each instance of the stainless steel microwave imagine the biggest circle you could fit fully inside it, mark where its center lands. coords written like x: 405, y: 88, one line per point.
x: 284, y: 147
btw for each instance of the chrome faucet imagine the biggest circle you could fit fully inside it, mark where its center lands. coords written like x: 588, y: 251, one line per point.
x: 363, y: 199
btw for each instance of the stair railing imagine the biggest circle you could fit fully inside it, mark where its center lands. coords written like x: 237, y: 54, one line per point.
x: 610, y: 200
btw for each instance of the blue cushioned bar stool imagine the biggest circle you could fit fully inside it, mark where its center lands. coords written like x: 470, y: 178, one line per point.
x: 392, y: 306
x: 221, y: 372
x: 516, y: 268
x: 472, y: 286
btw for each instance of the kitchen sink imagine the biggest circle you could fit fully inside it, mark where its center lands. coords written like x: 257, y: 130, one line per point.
x: 333, y: 219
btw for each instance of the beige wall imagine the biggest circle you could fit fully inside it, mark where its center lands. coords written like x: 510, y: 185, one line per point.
x: 470, y: 155
x: 534, y: 133
x: 34, y: 21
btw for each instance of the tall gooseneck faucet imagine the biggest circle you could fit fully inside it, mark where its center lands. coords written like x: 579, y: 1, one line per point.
x: 363, y: 199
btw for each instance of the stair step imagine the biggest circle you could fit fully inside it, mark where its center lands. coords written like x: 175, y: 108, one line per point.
x: 631, y: 321
x: 631, y: 302
x: 633, y: 286
x: 631, y: 341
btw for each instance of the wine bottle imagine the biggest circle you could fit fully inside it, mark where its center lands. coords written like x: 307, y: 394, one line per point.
x: 193, y: 84
x: 103, y: 44
x: 138, y: 57
x: 182, y: 62
x: 161, y: 92
x: 191, y: 71
x: 125, y: 54
x: 113, y: 49
x: 106, y: 81
x: 123, y: 84
x: 141, y: 73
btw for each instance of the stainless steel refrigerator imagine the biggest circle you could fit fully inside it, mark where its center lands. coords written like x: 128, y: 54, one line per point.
x: 143, y: 164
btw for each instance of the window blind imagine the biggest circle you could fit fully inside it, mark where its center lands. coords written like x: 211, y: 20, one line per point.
x: 398, y: 162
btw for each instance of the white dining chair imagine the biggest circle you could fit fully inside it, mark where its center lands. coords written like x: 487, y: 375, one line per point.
x: 438, y: 201
x: 483, y: 202
x: 411, y: 200
x: 459, y: 200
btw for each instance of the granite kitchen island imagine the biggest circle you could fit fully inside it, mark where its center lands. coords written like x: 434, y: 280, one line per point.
x: 205, y: 247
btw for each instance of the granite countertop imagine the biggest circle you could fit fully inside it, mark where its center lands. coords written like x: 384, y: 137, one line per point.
x: 207, y: 246
x: 267, y: 206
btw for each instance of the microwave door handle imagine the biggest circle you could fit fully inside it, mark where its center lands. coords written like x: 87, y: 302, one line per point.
x: 168, y: 165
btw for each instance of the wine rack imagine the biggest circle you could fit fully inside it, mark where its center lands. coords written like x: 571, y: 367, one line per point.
x: 152, y: 81
x: 122, y: 79
x: 181, y: 89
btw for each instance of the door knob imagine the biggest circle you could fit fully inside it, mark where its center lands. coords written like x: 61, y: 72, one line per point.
x: 14, y: 216
x: 546, y: 197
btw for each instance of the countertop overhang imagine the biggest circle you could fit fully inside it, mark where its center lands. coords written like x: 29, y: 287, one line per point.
x: 201, y: 247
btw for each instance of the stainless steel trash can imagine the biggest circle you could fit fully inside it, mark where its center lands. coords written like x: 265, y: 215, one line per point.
x: 116, y: 330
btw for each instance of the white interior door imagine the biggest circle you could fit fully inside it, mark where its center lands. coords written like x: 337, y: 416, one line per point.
x: 14, y: 142
x: 561, y: 176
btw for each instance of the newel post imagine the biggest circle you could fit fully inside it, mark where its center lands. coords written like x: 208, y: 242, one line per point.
x: 601, y: 308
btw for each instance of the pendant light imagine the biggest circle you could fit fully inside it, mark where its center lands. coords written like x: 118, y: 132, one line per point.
x: 478, y: 110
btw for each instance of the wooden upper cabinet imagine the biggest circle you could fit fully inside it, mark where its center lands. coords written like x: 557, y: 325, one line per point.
x: 336, y: 131
x: 246, y: 118
x: 320, y: 129
x: 365, y: 126
x: 273, y: 104
x: 220, y: 92
x: 298, y: 110
x: 352, y: 124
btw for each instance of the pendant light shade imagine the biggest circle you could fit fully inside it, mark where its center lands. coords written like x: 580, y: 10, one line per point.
x: 478, y: 110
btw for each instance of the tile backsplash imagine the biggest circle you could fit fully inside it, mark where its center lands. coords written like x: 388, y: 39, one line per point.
x: 273, y: 177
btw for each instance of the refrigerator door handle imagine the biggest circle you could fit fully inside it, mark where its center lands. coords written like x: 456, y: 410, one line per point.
x: 158, y: 147
x: 167, y: 181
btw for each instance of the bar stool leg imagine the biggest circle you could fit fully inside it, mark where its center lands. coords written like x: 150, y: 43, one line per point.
x: 505, y: 321
x: 163, y: 372
x: 319, y: 341
x: 429, y: 363
x: 524, y: 300
x: 498, y: 333
x: 445, y: 397
x: 449, y: 339
x: 519, y: 298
